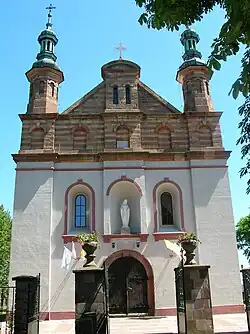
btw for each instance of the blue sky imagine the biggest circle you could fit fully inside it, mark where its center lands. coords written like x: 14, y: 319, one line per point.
x: 88, y: 32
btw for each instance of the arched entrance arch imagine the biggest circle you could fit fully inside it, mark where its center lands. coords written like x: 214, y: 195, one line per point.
x: 143, y: 263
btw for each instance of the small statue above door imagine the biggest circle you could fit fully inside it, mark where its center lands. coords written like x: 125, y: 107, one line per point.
x: 125, y: 215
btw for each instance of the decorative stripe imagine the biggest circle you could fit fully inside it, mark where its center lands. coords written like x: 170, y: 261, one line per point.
x: 20, y: 169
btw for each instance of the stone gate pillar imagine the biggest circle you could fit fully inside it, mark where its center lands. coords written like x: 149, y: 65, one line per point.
x: 90, y: 301
x: 26, y: 316
x: 198, y: 306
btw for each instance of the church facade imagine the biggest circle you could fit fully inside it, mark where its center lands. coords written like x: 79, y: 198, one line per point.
x: 123, y: 142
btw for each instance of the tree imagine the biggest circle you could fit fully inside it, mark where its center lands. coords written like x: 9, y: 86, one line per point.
x: 243, y: 236
x: 5, y: 239
x: 234, y: 33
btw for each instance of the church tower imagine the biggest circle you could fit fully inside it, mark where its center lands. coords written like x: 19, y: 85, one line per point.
x: 45, y: 76
x: 194, y: 75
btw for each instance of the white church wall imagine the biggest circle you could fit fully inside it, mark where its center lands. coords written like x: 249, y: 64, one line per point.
x: 215, y: 228
x: 62, y: 280
x: 206, y: 187
x: 30, y: 247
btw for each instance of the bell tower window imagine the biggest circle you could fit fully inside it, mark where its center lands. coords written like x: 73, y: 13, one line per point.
x: 115, y: 95
x: 128, y: 95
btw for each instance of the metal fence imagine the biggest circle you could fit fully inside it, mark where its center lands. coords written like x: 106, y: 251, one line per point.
x: 7, y: 309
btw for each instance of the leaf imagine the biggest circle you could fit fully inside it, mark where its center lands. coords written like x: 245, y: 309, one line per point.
x: 216, y: 64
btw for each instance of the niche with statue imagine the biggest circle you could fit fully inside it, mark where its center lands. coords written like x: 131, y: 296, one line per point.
x: 125, y: 215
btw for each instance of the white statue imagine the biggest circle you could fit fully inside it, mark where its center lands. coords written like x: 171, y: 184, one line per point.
x: 125, y: 213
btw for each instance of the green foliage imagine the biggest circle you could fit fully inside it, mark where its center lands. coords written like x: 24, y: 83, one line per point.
x: 234, y: 33
x: 5, y: 239
x: 188, y: 237
x: 243, y: 236
x: 87, y: 237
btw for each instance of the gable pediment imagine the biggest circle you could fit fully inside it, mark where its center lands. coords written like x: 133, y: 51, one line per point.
x: 92, y: 102
x: 151, y: 102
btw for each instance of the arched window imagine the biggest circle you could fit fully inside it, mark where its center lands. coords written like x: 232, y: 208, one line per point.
x: 122, y: 137
x: 79, y: 139
x: 128, y: 95
x: 37, y: 139
x: 189, y: 44
x: 41, y: 88
x: 80, y: 211
x: 52, y: 89
x: 166, y: 209
x: 164, y: 138
x: 48, y: 46
x: 115, y: 95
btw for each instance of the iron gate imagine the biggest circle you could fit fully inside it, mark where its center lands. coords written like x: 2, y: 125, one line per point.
x: 180, y: 299
x: 246, y: 293
x: 19, y: 306
x: 7, y: 309
x: 127, y: 280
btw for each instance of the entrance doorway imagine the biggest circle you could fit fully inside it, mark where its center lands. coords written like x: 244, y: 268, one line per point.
x: 127, y: 287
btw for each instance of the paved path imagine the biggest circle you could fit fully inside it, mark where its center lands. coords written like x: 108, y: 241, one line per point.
x: 230, y: 323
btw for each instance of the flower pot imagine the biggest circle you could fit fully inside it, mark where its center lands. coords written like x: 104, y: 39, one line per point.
x: 189, y: 247
x: 89, y: 248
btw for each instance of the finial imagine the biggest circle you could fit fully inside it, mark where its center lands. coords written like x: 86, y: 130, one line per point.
x: 49, y: 23
x: 120, y: 47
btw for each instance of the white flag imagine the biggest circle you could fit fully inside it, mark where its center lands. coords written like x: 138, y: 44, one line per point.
x: 66, y: 259
x: 73, y: 251
x: 173, y: 247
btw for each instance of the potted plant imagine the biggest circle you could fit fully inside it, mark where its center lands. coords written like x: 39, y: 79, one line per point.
x: 189, y: 242
x: 89, y: 242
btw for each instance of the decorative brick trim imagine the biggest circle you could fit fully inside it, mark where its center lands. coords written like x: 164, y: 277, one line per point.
x: 167, y: 235
x: 68, y: 238
x: 162, y: 312
x: 222, y: 309
x: 57, y: 315
x: 66, y: 198
x: 115, y: 168
x: 228, y: 309
x: 108, y: 237
x: 123, y: 178
x: 167, y: 180
x: 150, y: 282
x: 25, y: 156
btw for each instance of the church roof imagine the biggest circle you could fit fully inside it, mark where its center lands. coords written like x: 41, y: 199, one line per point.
x: 143, y: 87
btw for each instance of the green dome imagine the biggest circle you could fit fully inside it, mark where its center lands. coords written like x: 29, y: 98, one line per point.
x: 191, y: 56
x: 47, y: 40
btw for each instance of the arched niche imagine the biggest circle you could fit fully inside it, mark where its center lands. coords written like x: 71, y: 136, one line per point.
x: 124, y: 190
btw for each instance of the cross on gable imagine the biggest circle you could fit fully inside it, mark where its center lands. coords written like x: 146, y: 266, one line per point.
x: 120, y: 47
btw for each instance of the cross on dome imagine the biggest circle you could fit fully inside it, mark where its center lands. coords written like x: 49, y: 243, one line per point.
x: 49, y: 23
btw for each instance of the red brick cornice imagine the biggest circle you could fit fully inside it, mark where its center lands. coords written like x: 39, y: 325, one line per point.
x: 36, y: 117
x: 25, y: 156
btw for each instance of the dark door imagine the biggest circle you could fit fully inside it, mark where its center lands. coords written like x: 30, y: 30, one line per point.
x: 127, y: 287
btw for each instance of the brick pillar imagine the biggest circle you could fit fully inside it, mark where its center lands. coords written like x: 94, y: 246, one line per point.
x: 90, y: 307
x: 26, y: 317
x: 199, y: 318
